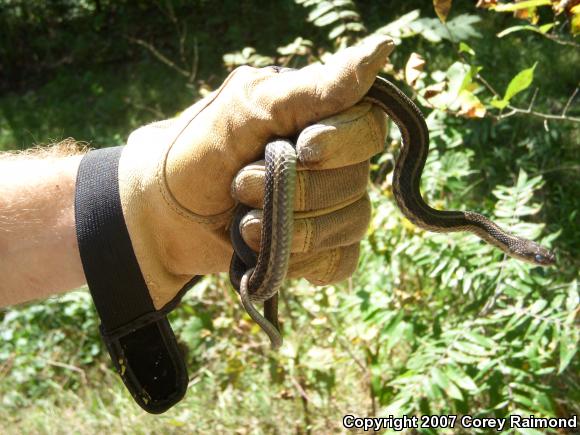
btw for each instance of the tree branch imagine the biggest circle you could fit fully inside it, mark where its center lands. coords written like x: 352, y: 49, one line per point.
x: 541, y: 115
x: 569, y: 102
x: 159, y: 55
x: 516, y: 110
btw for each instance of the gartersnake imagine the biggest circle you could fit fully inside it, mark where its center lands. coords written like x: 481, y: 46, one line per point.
x: 259, y: 279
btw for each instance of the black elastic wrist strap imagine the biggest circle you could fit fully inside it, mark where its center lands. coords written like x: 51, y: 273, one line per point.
x: 139, y: 338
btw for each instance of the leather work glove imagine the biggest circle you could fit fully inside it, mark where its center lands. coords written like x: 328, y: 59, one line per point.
x: 180, y: 179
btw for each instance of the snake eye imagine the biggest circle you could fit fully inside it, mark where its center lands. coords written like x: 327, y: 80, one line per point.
x: 540, y: 258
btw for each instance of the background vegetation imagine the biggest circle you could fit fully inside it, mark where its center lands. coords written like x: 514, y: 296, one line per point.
x: 429, y: 324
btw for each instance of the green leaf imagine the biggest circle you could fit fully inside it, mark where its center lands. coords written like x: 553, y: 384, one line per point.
x: 431, y: 389
x: 464, y: 48
x: 355, y: 27
x: 568, y: 346
x: 337, y: 31
x: 456, y: 75
x: 470, y: 348
x: 573, y: 298
x: 538, y: 306
x: 344, y: 4
x: 480, y: 339
x: 460, y: 378
x: 523, y: 400
x: 542, y: 29
x: 462, y: 27
x: 446, y: 384
x: 468, y: 79
x: 320, y: 10
x: 327, y: 19
x: 349, y: 15
x: 520, y: 82
x: 546, y: 27
x: 511, y: 7
x: 500, y: 104
x: 462, y: 357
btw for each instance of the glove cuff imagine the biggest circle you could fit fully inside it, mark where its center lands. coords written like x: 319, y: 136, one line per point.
x: 138, y: 337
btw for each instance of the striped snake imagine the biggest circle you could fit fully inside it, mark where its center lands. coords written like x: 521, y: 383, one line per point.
x: 258, y: 278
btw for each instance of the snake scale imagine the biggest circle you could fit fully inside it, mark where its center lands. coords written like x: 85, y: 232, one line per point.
x: 259, y: 277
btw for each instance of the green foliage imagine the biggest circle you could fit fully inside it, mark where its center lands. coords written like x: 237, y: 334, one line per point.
x: 340, y: 16
x: 526, y: 4
x: 519, y: 83
x: 429, y: 324
x: 54, y: 340
x: 431, y: 29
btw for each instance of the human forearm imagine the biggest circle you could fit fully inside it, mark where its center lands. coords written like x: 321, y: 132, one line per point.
x: 38, y: 249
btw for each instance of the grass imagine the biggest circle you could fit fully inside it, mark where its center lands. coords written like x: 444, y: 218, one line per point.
x: 255, y: 404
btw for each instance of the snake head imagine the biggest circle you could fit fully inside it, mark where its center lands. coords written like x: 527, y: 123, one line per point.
x: 536, y: 254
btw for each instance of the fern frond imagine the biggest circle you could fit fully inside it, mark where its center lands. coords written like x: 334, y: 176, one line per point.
x: 339, y: 16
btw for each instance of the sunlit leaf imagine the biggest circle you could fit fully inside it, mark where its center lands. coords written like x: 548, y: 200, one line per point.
x: 433, y: 90
x: 337, y: 31
x: 355, y: 27
x: 442, y: 8
x: 431, y: 389
x: 519, y: 83
x: 321, y: 9
x: 528, y: 14
x: 499, y: 103
x: 480, y: 339
x: 456, y: 75
x: 446, y: 384
x: 471, y: 106
x: 511, y: 7
x: 573, y: 299
x: 471, y: 348
x: 327, y: 19
x: 400, y: 28
x: 414, y: 68
x: 486, y: 4
x: 462, y: 357
x: 462, y: 27
x: 575, y: 21
x: 568, y: 346
x: 464, y: 48
x: 542, y: 29
x: 460, y: 378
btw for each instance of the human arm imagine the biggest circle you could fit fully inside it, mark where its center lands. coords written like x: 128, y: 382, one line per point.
x: 38, y: 247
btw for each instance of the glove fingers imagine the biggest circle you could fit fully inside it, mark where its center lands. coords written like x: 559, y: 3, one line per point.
x: 350, y: 137
x: 325, y: 267
x: 315, y: 190
x: 314, y: 233
x: 319, y: 90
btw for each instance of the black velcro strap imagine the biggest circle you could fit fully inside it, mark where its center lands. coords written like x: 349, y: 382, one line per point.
x: 139, y: 338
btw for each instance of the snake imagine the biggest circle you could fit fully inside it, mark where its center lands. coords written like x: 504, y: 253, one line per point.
x: 258, y: 277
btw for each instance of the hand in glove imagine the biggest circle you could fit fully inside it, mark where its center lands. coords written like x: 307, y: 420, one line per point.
x: 179, y: 180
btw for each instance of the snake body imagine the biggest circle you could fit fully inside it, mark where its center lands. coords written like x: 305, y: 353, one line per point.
x: 262, y: 281
x: 259, y: 279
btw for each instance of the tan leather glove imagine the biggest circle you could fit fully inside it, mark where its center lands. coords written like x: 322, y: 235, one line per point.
x: 175, y: 176
x: 332, y: 209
